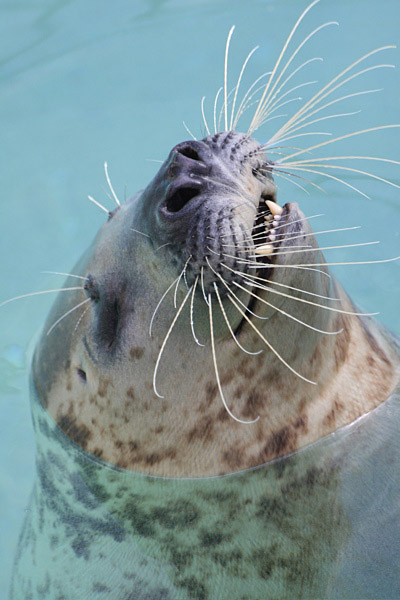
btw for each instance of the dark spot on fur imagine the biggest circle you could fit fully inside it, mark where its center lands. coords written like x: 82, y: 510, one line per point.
x: 255, y: 401
x: 176, y: 515
x: 136, y: 352
x: 98, y: 452
x: 159, y: 429
x: 195, y: 589
x: 130, y: 392
x: 103, y: 385
x: 78, y: 433
x: 100, y: 588
x: 342, y: 343
x: 81, y: 547
x: 138, y: 517
x: 373, y: 344
x: 234, y: 457
x: 209, y: 539
x: 227, y: 377
x: 203, y: 431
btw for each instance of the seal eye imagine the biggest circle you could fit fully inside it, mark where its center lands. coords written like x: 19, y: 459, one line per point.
x: 81, y: 374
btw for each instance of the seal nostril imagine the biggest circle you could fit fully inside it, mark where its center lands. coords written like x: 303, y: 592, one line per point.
x: 189, y: 152
x: 180, y: 198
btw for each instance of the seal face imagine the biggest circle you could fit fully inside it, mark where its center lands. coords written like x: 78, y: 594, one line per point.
x: 251, y: 359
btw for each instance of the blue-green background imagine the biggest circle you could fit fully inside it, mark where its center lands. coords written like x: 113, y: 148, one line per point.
x: 86, y: 81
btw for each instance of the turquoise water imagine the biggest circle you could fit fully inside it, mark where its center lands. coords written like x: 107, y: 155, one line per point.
x: 85, y: 82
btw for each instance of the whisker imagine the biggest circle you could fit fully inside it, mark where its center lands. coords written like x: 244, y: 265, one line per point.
x: 320, y: 94
x: 80, y: 319
x: 248, y: 279
x: 202, y: 285
x: 226, y: 76
x: 250, y: 54
x: 268, y: 99
x: 216, y: 368
x: 191, y: 312
x: 328, y: 176
x: 327, y: 248
x: 215, y: 109
x: 160, y: 301
x: 39, y: 293
x: 293, y: 127
x: 66, y: 314
x: 229, y: 325
x: 178, y: 312
x: 279, y: 171
x: 188, y: 130
x: 243, y: 106
x: 289, y: 315
x: 141, y: 232
x: 330, y: 264
x: 341, y: 137
x: 255, y: 120
x: 66, y: 274
x: 264, y: 339
x: 204, y: 116
x: 300, y: 267
x: 98, y: 204
x: 323, y: 306
x: 109, y: 184
x: 179, y: 278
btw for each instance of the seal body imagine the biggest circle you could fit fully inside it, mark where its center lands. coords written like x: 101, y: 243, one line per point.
x: 322, y: 523
x: 187, y: 464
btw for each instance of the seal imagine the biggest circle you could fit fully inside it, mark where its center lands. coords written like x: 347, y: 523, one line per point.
x: 183, y: 419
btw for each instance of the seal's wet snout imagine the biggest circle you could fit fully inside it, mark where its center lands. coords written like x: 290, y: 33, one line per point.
x: 211, y: 193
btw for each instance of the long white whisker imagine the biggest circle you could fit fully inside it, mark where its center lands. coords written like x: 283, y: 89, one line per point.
x: 250, y: 54
x: 204, y: 116
x: 80, y: 319
x: 229, y: 325
x: 328, y: 176
x: 330, y: 264
x: 296, y: 127
x: 160, y: 301
x: 248, y: 96
x: 191, y: 312
x: 327, y: 248
x: 98, y: 204
x: 323, y: 306
x: 189, y: 132
x: 66, y: 274
x: 179, y: 278
x: 352, y: 170
x: 110, y: 185
x: 268, y: 99
x: 249, y: 280
x: 178, y: 312
x: 215, y: 109
x: 216, y: 368
x: 289, y: 315
x: 276, y: 66
x: 202, y: 285
x: 39, y: 293
x: 270, y: 345
x: 66, y: 314
x: 226, y: 76
x: 310, y: 103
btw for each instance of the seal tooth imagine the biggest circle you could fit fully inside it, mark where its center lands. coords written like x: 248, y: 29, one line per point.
x: 265, y: 250
x: 274, y: 207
